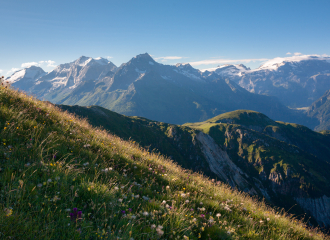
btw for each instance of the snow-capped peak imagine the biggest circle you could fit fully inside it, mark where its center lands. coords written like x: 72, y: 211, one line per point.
x: 32, y: 73
x: 275, y: 63
x: 83, y: 61
x: 101, y: 60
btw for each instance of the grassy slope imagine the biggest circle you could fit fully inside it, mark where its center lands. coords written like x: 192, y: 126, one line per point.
x: 316, y: 143
x: 259, y: 153
x: 44, y: 175
x: 176, y: 142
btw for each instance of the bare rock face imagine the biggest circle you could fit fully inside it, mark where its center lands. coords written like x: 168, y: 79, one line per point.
x: 220, y: 162
x: 319, y: 208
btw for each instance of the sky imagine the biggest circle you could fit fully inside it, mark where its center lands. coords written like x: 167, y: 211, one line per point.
x: 203, y: 33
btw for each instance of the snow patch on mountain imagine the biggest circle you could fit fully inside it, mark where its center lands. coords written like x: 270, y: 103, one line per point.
x: 275, y: 63
x: 31, y: 73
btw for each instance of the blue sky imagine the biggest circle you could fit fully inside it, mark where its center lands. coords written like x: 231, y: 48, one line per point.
x: 198, y: 32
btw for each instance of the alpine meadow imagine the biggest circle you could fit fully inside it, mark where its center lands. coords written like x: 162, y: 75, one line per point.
x: 164, y: 120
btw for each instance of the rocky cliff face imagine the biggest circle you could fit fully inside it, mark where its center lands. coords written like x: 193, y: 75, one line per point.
x: 318, y: 207
x: 221, y: 164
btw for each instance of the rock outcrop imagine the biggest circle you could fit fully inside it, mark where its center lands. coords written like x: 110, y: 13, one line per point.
x: 319, y: 208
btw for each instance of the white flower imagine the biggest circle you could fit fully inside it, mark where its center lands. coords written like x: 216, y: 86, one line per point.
x: 145, y: 198
x: 167, y: 187
x: 163, y: 202
x: 68, y: 210
x: 135, y: 166
x: 120, y: 200
x: 218, y: 215
x: 145, y: 214
x: 268, y: 219
x: 153, y: 226
x: 133, y: 216
x: 49, y: 180
x: 39, y: 185
x: 187, y: 201
x: 183, y: 194
x: 201, y: 203
x: 137, y: 196
x: 116, y: 188
x: 57, y: 178
x: 86, y: 163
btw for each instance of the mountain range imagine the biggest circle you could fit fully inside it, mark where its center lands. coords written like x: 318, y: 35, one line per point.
x: 142, y: 87
x: 297, y: 81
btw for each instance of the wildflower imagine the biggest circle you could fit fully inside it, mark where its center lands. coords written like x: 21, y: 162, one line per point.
x: 27, y: 165
x: 116, y: 188
x: 183, y: 194
x: 86, y: 163
x: 268, y: 219
x: 218, y: 215
x: 120, y: 200
x: 201, y: 203
x: 49, y: 180
x: 145, y: 214
x: 202, y: 215
x: 68, y: 210
x: 75, y: 215
x: 163, y: 202
x: 261, y: 221
x: 159, y: 230
x: 167, y: 187
x: 57, y: 178
x: 145, y: 198
x: 187, y: 201
x: 153, y: 226
x: 39, y: 185
x: 133, y: 216
x: 137, y: 196
x: 185, y: 237
x: 8, y: 211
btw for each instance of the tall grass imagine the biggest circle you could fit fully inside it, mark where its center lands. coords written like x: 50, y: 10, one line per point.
x: 62, y: 179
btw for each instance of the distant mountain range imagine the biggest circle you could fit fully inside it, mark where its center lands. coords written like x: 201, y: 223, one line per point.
x: 142, y: 87
x: 297, y: 81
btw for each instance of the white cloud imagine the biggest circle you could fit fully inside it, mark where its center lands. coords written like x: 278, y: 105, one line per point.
x: 288, y: 53
x: 297, y: 53
x: 224, y: 61
x: 108, y: 57
x: 12, y: 70
x: 163, y: 59
x: 1, y: 70
x: 29, y: 64
x: 48, y: 63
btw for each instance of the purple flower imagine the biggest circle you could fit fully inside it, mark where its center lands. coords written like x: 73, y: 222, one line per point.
x: 130, y: 209
x: 123, y: 212
x: 202, y: 215
x: 75, y: 215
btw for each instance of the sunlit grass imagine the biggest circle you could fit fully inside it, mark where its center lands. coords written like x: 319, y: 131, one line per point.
x: 62, y: 179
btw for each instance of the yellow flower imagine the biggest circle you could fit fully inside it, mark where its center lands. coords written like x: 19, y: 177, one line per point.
x: 8, y: 212
x: 5, y: 128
